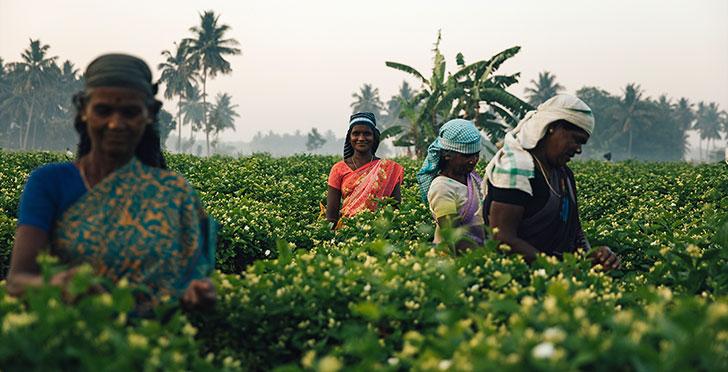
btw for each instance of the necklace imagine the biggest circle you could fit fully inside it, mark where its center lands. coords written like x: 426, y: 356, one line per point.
x: 356, y: 166
x: 546, y: 177
x: 83, y: 176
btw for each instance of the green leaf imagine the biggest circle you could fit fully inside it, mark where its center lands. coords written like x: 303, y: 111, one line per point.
x: 502, y: 280
x: 407, y: 69
x: 284, y: 252
x: 391, y: 132
x: 368, y: 310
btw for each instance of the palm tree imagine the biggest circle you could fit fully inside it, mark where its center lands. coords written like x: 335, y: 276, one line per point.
x: 709, y: 120
x: 209, y: 47
x: 314, y: 140
x: 367, y: 100
x: 193, y: 111
x: 543, y: 89
x: 13, y: 107
x: 631, y: 105
x: 393, y: 107
x: 4, y: 83
x: 222, y: 114
x: 165, y: 125
x: 4, y: 95
x: 34, y: 77
x: 178, y: 75
x: 685, y: 113
x: 59, y: 132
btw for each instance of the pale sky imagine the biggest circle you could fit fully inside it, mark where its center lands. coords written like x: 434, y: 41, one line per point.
x: 302, y: 60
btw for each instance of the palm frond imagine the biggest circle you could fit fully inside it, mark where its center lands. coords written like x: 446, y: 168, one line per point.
x: 407, y: 69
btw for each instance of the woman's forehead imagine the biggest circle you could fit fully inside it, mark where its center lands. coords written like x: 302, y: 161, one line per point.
x: 361, y: 128
x: 580, y: 134
x: 115, y: 95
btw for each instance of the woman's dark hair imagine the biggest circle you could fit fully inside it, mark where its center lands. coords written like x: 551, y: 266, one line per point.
x: 149, y: 150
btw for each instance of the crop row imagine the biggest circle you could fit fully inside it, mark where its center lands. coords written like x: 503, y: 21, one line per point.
x: 377, y: 294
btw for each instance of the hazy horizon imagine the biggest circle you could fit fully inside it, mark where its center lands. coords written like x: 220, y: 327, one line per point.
x: 301, y: 61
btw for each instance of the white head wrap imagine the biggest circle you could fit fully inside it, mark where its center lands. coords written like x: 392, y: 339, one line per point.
x: 512, y: 166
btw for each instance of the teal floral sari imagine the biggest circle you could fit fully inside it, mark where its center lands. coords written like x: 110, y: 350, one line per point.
x: 140, y: 223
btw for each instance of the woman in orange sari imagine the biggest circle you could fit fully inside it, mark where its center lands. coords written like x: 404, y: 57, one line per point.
x: 356, y: 182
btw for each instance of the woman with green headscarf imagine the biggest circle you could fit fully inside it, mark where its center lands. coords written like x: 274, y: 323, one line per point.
x: 448, y: 182
x: 117, y: 207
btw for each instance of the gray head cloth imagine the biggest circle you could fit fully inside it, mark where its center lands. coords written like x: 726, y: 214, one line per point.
x: 120, y: 70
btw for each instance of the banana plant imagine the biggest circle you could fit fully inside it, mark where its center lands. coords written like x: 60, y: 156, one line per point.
x: 485, y: 100
x: 473, y: 92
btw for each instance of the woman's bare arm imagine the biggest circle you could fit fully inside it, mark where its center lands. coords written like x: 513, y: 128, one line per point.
x: 397, y: 195
x: 24, y: 271
x: 507, y: 218
x: 333, y: 203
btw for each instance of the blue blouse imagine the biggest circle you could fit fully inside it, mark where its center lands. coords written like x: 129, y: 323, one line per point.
x: 49, y: 192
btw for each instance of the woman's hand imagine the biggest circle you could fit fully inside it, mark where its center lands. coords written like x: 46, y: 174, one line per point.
x: 200, y: 294
x: 605, y: 257
x: 64, y: 277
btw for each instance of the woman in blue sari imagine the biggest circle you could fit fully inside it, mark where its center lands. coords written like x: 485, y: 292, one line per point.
x: 117, y: 207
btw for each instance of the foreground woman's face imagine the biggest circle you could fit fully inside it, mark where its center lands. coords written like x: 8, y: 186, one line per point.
x: 564, y: 144
x: 115, y: 120
x: 362, y: 138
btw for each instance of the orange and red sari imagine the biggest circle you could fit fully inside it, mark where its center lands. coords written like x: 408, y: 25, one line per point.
x: 361, y: 187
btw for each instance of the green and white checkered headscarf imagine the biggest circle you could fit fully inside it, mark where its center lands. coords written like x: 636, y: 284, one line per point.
x: 512, y: 166
x: 456, y: 135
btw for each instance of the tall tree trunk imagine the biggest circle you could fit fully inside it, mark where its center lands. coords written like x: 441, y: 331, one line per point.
x: 192, y: 132
x: 416, y: 137
x: 204, y: 104
x: 32, y: 142
x: 179, y: 123
x: 629, y: 147
x: 24, y: 144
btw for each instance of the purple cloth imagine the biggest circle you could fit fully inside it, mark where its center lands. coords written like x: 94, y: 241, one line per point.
x: 468, y: 210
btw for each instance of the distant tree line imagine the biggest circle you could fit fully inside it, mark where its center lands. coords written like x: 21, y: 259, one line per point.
x: 633, y: 126
x: 36, y: 110
x: 629, y: 125
x: 35, y: 93
x: 284, y: 144
x: 35, y: 100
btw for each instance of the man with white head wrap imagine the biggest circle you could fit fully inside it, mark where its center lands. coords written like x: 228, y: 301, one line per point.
x: 531, y: 192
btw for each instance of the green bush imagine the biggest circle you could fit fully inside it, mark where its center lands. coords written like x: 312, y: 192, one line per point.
x: 48, y: 331
x: 377, y: 294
